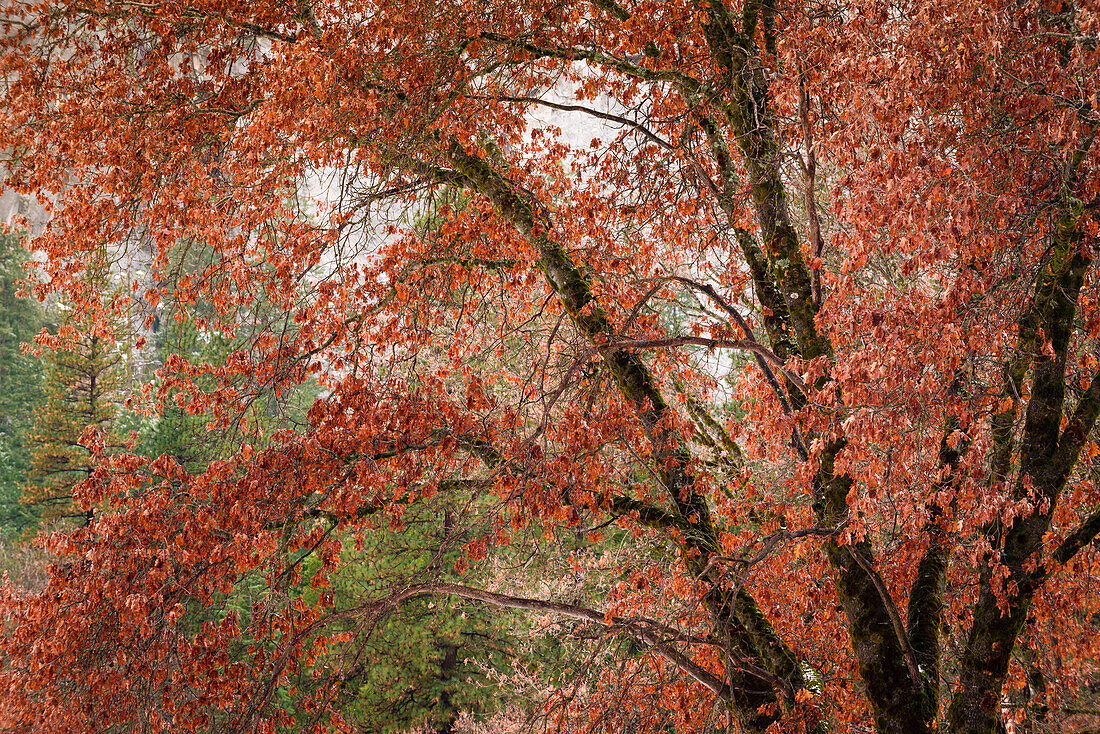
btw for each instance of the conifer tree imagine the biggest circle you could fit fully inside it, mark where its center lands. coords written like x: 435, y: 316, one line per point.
x: 84, y: 380
x: 21, y: 383
x: 429, y: 662
x: 175, y: 431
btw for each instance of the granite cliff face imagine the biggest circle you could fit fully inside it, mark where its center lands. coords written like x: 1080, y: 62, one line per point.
x: 14, y: 204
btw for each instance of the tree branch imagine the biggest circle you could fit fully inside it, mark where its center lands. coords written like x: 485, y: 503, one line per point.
x: 609, y: 117
x: 1085, y: 533
x: 1077, y: 430
x: 640, y: 630
x: 895, y: 618
x: 751, y: 694
x: 599, y: 59
x: 747, y: 345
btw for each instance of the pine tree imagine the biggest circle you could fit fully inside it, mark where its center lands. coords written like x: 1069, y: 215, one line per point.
x: 21, y: 384
x: 83, y: 389
x: 188, y: 436
x: 176, y: 432
x: 433, y: 659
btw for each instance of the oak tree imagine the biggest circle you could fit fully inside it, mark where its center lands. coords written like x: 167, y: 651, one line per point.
x: 883, y: 516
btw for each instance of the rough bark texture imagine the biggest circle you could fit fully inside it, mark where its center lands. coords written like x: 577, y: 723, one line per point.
x: 754, y: 699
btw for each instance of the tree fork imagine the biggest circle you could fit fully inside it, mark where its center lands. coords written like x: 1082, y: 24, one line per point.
x: 1046, y: 463
x: 754, y: 125
x: 926, y: 606
x: 887, y: 664
x: 752, y: 694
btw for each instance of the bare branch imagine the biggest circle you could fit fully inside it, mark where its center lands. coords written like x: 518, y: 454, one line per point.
x: 748, y: 345
x: 639, y: 629
x: 609, y: 117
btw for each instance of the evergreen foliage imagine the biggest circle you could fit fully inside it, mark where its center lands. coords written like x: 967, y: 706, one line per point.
x: 21, y: 384
x: 435, y: 658
x: 84, y: 382
x: 177, y: 432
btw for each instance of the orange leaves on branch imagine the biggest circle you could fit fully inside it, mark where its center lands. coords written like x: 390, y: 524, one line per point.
x: 454, y: 217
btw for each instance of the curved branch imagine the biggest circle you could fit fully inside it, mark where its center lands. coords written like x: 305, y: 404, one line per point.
x: 780, y: 393
x: 1078, y: 539
x: 748, y: 345
x: 606, y: 116
x: 640, y: 630
x: 592, y: 56
x: 895, y: 618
